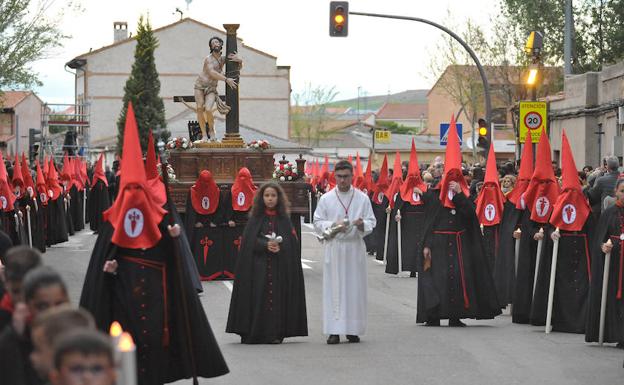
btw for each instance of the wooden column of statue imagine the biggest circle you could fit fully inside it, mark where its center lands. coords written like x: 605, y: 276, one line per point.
x: 225, y: 157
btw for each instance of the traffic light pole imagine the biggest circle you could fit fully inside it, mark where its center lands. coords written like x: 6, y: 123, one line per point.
x: 486, y: 85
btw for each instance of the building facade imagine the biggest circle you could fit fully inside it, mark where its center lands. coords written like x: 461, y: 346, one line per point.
x: 19, y: 112
x: 182, y: 46
x: 591, y: 110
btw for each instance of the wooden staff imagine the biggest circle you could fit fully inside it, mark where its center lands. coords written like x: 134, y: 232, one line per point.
x: 517, y: 252
x: 537, y: 259
x: 399, y: 242
x: 29, y: 226
x: 551, y: 289
x: 178, y: 260
x: 311, y: 220
x: 603, y: 299
x: 385, y: 249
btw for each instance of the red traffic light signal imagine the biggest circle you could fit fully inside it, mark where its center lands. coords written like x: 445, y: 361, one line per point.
x: 338, y: 18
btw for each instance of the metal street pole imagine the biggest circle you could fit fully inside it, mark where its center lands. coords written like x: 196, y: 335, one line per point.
x: 486, y: 85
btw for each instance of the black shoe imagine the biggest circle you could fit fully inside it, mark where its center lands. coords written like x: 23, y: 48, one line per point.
x: 620, y: 345
x: 433, y: 322
x: 276, y: 341
x: 413, y: 274
x: 333, y: 339
x: 456, y: 323
x: 353, y: 339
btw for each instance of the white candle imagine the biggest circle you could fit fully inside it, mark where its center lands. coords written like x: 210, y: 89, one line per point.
x: 127, y: 360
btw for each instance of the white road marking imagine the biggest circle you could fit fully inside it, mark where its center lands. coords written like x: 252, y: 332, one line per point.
x: 228, y: 284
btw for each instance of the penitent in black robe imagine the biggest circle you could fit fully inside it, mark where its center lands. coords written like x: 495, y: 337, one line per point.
x: 268, y: 299
x: 69, y: 220
x: 232, y: 237
x: 369, y: 240
x: 76, y: 208
x: 523, y: 288
x: 572, y: 281
x: 379, y: 232
x: 459, y: 283
x: 37, y: 227
x: 610, y: 226
x: 56, y: 221
x: 412, y: 225
x: 98, y: 203
x: 505, y: 262
x: 206, y: 238
x: 145, y: 297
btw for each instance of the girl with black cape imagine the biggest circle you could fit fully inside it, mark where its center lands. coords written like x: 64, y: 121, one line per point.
x: 455, y: 282
x: 133, y: 278
x: 268, y: 299
x: 610, y: 227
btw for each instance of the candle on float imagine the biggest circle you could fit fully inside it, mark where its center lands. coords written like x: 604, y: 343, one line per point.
x: 127, y: 360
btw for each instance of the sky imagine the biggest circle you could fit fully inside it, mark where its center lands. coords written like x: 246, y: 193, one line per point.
x: 379, y: 56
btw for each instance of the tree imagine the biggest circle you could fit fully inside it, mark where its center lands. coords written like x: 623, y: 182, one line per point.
x: 27, y: 33
x: 142, y: 89
x: 309, y: 115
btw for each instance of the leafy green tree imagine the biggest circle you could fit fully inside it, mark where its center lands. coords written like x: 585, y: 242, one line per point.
x: 309, y: 116
x: 28, y: 32
x: 142, y: 89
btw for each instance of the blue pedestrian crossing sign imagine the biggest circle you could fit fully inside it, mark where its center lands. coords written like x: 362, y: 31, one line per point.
x: 444, y: 127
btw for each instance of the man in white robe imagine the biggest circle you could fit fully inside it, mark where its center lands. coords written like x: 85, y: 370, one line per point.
x: 344, y: 267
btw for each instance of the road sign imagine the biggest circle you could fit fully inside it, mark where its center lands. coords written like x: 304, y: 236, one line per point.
x: 382, y: 136
x: 444, y: 132
x: 532, y: 119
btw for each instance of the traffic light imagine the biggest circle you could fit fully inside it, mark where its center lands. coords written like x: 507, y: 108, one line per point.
x: 34, y: 137
x: 485, y: 137
x: 338, y: 18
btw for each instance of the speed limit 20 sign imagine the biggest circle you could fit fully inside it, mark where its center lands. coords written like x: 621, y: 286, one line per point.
x: 532, y: 119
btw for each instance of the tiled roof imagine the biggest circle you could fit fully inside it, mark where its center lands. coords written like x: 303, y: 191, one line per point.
x: 402, y: 111
x: 10, y: 99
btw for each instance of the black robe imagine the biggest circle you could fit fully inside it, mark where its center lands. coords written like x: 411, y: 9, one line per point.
x: 491, y: 238
x: 7, y: 218
x: 56, y: 222
x: 572, y: 281
x: 76, y: 208
x: 98, y: 203
x: 145, y: 297
x: 412, y: 225
x: 523, y: 288
x: 505, y: 262
x: 610, y: 226
x: 369, y: 240
x: 69, y: 220
x: 268, y: 299
x: 206, y: 238
x: 36, y: 227
x: 459, y: 283
x: 233, y: 237
x: 379, y: 232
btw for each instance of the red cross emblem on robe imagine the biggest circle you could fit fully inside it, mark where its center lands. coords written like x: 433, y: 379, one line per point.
x: 206, y: 243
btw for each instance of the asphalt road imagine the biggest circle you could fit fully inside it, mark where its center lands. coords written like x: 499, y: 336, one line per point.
x: 395, y: 349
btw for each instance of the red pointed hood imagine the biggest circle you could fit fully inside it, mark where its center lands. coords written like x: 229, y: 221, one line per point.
x: 46, y: 165
x: 491, y: 199
x: 323, y: 179
x: 524, y: 175
x: 571, y: 208
x: 83, y: 173
x: 331, y: 181
x: 358, y: 176
x: 243, y: 190
x: 98, y: 171
x: 314, y: 175
x: 413, y: 179
x: 67, y: 173
x: 78, y: 181
x: 54, y: 188
x: 29, y: 184
x: 397, y: 180
x: 155, y: 186
x: 382, y: 182
x: 42, y: 186
x: 368, y: 185
x: 18, y: 179
x: 134, y: 215
x: 7, y: 198
x: 543, y: 188
x: 205, y: 194
x: 452, y: 167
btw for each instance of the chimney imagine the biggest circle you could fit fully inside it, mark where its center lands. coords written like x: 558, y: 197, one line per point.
x: 121, y: 31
